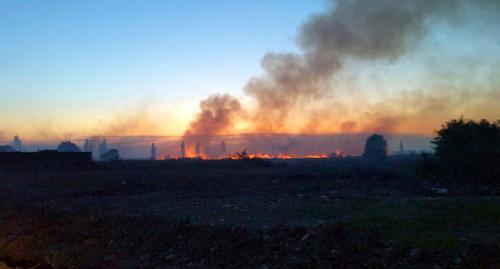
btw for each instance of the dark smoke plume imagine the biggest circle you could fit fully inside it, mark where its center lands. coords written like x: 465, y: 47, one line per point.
x: 363, y: 30
x: 217, y: 116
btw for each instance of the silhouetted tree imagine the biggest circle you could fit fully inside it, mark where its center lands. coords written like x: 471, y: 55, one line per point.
x: 466, y: 148
x: 68, y: 146
x: 375, y: 148
x: 103, y: 147
x: 110, y: 155
x: 153, y: 152
x: 7, y: 148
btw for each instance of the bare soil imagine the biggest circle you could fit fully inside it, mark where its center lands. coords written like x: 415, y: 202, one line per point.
x: 244, y: 214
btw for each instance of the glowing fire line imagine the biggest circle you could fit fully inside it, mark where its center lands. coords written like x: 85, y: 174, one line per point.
x: 192, y: 155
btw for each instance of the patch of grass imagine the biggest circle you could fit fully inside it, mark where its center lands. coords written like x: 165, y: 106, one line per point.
x: 433, y: 223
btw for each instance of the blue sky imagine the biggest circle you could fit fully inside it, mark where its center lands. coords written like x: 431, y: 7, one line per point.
x: 83, y: 60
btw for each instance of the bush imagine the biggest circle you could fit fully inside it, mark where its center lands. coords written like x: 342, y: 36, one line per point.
x: 111, y: 155
x: 7, y: 148
x: 68, y: 146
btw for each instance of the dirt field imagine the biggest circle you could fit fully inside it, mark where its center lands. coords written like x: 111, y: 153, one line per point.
x: 244, y: 214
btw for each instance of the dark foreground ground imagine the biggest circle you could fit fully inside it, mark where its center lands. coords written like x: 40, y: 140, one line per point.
x: 339, y: 213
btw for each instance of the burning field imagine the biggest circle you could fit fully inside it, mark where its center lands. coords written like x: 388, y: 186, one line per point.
x: 285, y: 146
x: 263, y: 146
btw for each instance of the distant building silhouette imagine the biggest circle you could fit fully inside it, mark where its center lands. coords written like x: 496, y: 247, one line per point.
x: 17, y: 144
x: 153, y: 152
x: 183, y: 150
x: 103, y: 147
x: 402, y: 150
x: 45, y: 159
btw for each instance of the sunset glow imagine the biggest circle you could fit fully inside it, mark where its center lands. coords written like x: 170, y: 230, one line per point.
x: 133, y: 78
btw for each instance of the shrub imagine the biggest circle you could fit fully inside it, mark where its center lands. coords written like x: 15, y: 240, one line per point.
x: 469, y: 149
x: 68, y: 146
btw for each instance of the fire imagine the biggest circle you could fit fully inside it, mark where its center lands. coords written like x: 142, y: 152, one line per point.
x: 255, y: 156
x: 218, y: 151
x: 287, y: 156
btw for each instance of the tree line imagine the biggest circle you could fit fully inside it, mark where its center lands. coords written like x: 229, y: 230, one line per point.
x: 463, y: 150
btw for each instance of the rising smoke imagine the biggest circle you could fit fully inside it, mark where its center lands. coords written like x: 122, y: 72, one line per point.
x: 217, y: 116
x: 362, y: 30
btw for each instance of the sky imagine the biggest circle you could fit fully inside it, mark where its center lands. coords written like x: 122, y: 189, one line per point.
x: 70, y: 69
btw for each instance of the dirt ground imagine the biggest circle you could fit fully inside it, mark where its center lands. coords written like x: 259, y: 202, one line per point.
x: 244, y: 214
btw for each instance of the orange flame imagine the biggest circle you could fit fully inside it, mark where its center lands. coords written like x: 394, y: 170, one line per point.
x: 192, y: 154
x: 338, y: 154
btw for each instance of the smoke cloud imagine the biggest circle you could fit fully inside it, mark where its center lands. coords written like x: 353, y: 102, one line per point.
x: 217, y: 116
x: 361, y: 30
